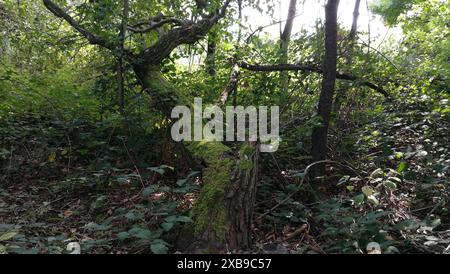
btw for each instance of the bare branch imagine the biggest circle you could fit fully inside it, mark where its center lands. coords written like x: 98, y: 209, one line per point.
x: 231, y: 86
x: 293, y: 67
x: 92, y: 38
x: 152, y: 24
x: 289, y: 196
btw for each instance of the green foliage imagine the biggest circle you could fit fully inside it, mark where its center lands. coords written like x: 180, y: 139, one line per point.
x: 391, y: 9
x: 427, y: 43
x: 76, y: 170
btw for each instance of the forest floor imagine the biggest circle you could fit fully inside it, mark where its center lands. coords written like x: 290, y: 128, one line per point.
x: 393, y: 190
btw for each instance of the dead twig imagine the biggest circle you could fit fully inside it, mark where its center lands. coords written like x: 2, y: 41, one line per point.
x: 297, y: 232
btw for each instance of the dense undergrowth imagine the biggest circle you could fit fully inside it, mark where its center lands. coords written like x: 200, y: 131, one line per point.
x: 75, y: 167
x: 65, y: 181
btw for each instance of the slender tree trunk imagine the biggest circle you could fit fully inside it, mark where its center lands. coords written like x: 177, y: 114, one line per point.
x: 238, y: 46
x: 211, y: 54
x: 285, y: 39
x: 120, y: 69
x: 354, y: 29
x: 342, y: 92
x: 319, y: 136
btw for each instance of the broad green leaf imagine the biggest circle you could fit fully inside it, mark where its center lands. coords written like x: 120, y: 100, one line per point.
x: 141, y: 233
x: 7, y: 236
x: 148, y: 190
x: 299, y: 175
x: 159, y: 248
x: 390, y: 184
x: 182, y: 182
x: 98, y: 227
x: 131, y: 216
x: 367, y: 190
x: 123, y: 235
x: 182, y: 219
x: 167, y: 226
x: 122, y: 179
x: 358, y: 199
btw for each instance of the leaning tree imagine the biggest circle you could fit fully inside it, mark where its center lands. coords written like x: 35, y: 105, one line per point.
x: 223, y: 211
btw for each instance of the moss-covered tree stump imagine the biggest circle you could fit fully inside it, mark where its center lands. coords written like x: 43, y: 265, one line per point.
x: 223, y: 213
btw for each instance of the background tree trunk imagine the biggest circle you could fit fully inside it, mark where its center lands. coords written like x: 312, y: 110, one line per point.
x: 211, y: 54
x: 342, y: 92
x: 319, y: 136
x: 285, y: 39
x: 120, y: 69
x: 354, y: 28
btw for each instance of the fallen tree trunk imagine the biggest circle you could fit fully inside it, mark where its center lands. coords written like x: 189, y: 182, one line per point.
x: 223, y: 213
x: 320, y: 133
x: 240, y: 199
x: 285, y: 39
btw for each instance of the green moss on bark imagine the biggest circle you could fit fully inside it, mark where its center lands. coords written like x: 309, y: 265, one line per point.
x: 245, y: 154
x: 209, y: 210
x: 155, y: 82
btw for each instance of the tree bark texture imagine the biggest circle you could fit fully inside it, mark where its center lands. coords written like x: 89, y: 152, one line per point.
x: 320, y: 133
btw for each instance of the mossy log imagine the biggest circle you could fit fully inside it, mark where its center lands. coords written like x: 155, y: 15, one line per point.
x: 223, y: 213
x: 164, y: 94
